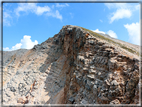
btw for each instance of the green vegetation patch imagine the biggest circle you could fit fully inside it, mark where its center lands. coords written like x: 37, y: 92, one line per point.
x: 109, y: 40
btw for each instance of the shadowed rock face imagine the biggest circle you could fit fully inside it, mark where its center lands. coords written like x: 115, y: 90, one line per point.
x: 73, y: 67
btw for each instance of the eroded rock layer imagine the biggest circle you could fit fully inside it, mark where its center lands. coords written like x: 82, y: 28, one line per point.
x: 73, y: 67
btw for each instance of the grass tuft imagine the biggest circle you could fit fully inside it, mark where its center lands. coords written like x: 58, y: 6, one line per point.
x: 109, y: 40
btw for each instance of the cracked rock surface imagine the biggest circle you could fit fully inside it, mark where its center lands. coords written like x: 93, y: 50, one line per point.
x: 73, y: 67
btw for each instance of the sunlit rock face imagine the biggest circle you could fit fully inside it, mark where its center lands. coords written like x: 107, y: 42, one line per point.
x: 74, y: 67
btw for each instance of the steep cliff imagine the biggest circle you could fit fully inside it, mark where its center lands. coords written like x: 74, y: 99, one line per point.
x: 76, y: 66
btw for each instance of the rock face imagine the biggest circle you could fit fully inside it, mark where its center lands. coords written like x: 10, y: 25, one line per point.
x: 73, y: 67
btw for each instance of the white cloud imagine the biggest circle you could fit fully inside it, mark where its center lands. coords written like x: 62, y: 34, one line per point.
x: 6, y: 49
x: 6, y: 19
x: 6, y: 15
x: 38, y: 10
x: 122, y: 10
x: 25, y: 43
x: 72, y: 15
x: 120, y: 14
x: 97, y: 31
x: 26, y: 8
x: 62, y: 5
x: 134, y: 32
x: 101, y: 20
x: 66, y: 4
x: 17, y: 46
x: 117, y: 5
x: 112, y: 34
x: 52, y: 6
x: 31, y: 7
x: 137, y: 7
x: 56, y: 15
x: 41, y: 10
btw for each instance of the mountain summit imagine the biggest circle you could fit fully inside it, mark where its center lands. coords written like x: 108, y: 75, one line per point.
x: 76, y: 66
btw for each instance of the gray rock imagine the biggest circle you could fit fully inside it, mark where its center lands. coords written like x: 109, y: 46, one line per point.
x: 12, y: 89
x: 84, y: 101
x: 114, y: 82
x: 116, y: 101
x: 99, y: 63
x: 88, y: 87
x: 91, y: 76
x: 72, y: 99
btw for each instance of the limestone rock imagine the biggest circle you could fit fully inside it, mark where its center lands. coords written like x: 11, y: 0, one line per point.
x: 76, y: 66
x: 116, y: 101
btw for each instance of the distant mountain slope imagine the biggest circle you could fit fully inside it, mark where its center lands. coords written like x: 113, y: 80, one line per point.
x: 76, y: 66
x: 133, y: 46
x: 125, y: 45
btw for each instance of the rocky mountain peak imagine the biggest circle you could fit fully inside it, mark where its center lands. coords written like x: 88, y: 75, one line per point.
x: 76, y: 66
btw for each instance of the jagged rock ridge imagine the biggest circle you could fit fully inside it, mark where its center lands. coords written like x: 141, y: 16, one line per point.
x: 73, y: 67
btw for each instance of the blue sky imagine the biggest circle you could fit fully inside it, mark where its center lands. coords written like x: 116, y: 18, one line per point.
x: 28, y: 24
